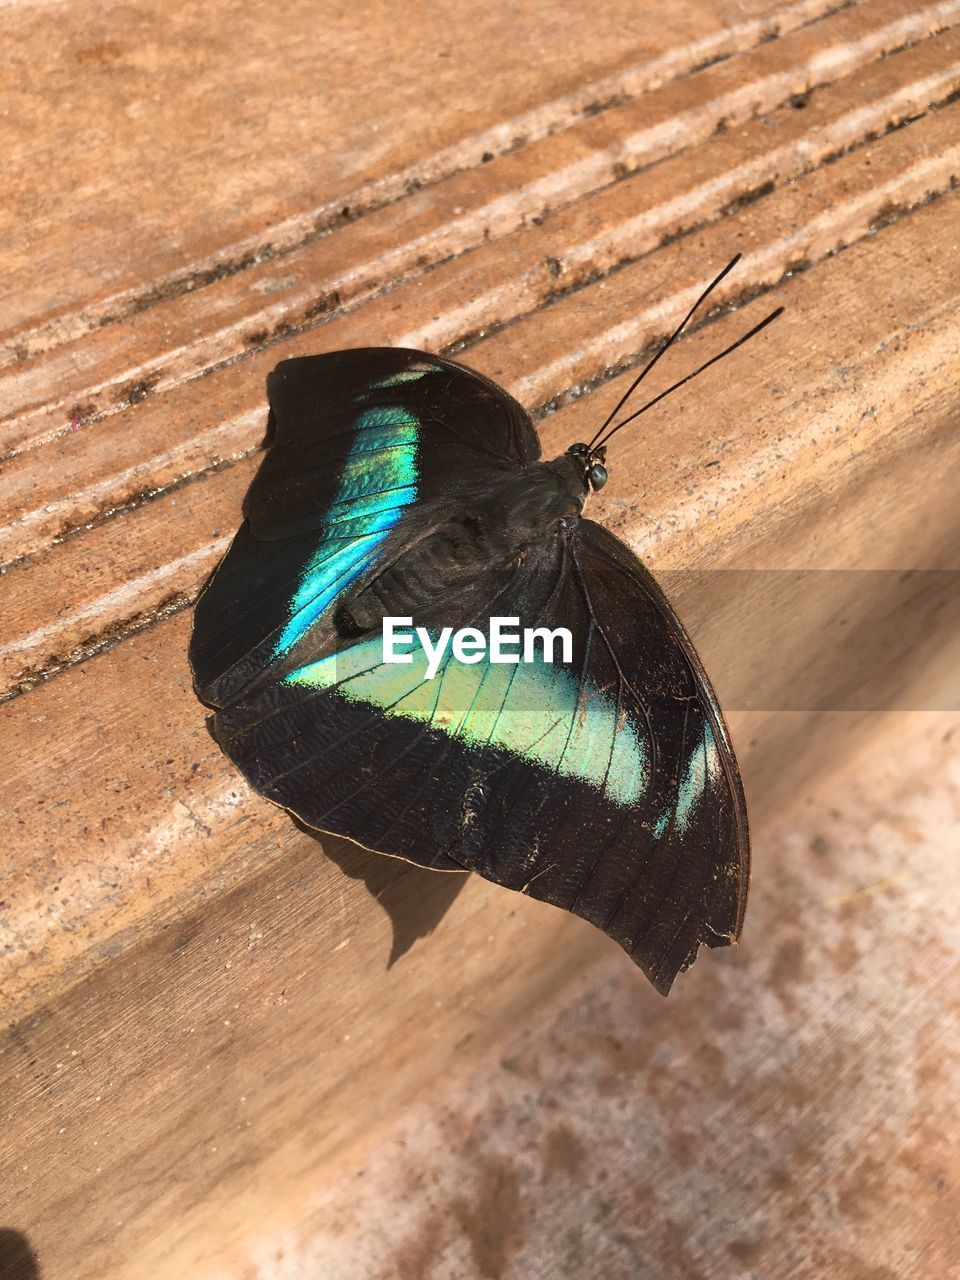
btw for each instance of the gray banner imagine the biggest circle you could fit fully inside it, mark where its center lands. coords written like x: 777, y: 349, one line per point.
x: 825, y: 640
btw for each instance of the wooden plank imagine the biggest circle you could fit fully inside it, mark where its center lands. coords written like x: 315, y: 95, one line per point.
x: 179, y: 908
x: 761, y: 433
x: 181, y: 336
x: 77, y: 478
x: 187, y: 92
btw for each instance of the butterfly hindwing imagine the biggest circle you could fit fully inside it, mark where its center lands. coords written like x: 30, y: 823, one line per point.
x: 604, y: 783
x: 690, y: 888
x: 374, y: 751
x: 364, y: 448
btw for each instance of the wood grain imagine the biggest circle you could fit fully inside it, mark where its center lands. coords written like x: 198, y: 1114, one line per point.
x: 183, y: 95
x: 183, y: 335
x: 203, y: 1011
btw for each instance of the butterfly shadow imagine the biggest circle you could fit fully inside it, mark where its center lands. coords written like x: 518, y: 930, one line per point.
x: 414, y: 899
x: 17, y: 1258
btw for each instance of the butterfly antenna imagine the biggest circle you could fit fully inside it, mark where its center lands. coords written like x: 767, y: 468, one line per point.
x: 665, y: 347
x: 690, y: 376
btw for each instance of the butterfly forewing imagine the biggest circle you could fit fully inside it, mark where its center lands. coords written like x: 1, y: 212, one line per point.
x: 365, y: 447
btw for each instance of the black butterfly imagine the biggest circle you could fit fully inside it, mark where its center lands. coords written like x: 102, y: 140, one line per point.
x: 401, y: 484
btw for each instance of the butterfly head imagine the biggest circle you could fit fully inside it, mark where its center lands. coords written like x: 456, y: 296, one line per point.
x: 592, y: 460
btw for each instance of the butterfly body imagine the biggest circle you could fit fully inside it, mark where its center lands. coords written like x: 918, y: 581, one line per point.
x: 399, y: 484
x: 488, y: 533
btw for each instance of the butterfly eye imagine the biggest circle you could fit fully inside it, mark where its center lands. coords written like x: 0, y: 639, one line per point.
x: 597, y: 475
x: 579, y: 451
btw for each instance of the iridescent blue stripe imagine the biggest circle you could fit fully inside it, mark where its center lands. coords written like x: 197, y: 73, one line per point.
x: 371, y: 504
x: 378, y: 480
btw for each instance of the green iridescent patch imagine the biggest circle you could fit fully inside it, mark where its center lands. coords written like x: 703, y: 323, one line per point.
x: 535, y: 710
x: 413, y: 374
x: 702, y: 768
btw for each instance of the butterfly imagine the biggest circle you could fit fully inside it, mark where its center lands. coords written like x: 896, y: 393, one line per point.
x: 400, y: 485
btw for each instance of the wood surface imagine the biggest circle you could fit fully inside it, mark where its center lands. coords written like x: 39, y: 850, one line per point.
x: 202, y: 1011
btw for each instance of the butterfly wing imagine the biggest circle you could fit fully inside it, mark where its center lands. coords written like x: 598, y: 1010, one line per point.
x: 691, y: 849
x: 604, y: 784
x: 365, y: 447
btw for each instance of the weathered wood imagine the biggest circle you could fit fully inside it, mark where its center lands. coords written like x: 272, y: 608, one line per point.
x: 159, y: 871
x: 164, y: 93
x: 115, y: 576
x: 183, y: 335
x: 805, y: 1133
x: 201, y: 1009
